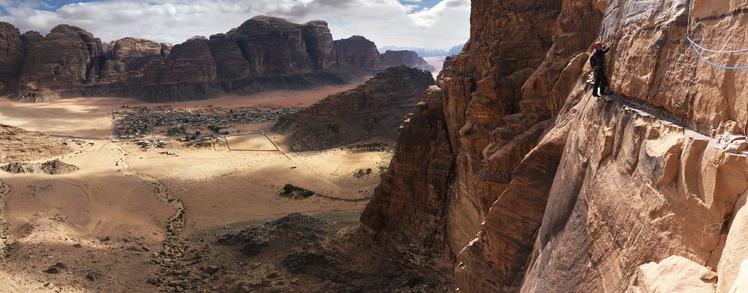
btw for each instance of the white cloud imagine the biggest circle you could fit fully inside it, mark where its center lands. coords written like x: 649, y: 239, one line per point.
x: 386, y: 22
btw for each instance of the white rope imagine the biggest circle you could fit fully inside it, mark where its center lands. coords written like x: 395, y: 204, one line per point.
x: 693, y: 45
x: 696, y: 47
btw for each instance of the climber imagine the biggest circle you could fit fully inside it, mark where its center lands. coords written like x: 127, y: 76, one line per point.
x: 597, y: 60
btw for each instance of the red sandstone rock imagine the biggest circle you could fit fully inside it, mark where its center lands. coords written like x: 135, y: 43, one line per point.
x: 11, y: 55
x: 263, y: 53
x: 634, y: 185
x: 128, y: 58
x: 406, y: 215
x: 357, y: 52
x: 373, y: 111
x: 65, y: 60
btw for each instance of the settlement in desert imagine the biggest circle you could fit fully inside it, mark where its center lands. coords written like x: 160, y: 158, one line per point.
x: 179, y: 189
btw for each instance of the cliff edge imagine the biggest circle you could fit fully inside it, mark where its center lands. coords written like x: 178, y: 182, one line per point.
x: 514, y: 178
x: 372, y: 112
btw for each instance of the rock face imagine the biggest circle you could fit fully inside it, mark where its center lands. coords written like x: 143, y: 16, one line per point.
x: 53, y: 167
x: 547, y: 189
x: 17, y: 144
x: 357, y: 51
x: 127, y: 60
x: 11, y: 55
x: 408, y: 58
x: 412, y: 192
x: 372, y: 111
x: 262, y: 53
x: 63, y: 61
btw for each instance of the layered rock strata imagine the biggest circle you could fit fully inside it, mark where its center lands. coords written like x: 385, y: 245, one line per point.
x: 487, y: 125
x: 262, y: 53
x: 373, y: 111
x: 18, y: 144
x: 548, y: 189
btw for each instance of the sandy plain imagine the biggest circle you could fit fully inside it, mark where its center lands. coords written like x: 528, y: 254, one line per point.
x: 103, y: 227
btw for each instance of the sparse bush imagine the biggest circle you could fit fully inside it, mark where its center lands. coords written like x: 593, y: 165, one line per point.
x: 414, y: 281
x: 361, y: 172
x: 287, y: 189
x: 296, y: 192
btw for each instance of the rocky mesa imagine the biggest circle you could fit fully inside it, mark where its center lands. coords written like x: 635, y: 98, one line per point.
x: 262, y: 53
x: 373, y: 111
x: 511, y: 177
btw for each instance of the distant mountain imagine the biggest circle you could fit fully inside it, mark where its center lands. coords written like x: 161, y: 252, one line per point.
x: 422, y: 52
x: 262, y: 53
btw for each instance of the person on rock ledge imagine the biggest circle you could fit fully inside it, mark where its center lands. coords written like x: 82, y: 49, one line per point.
x: 597, y: 60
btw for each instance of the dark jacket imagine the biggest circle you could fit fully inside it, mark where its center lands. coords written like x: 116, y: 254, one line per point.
x: 597, y: 60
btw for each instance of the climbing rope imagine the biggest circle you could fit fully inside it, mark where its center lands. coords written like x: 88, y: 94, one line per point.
x: 698, y: 48
x: 714, y: 51
x: 694, y: 46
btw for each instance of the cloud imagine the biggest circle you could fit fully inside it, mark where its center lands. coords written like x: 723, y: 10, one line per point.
x: 386, y: 22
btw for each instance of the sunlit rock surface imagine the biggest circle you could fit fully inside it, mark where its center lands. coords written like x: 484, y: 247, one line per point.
x: 552, y: 190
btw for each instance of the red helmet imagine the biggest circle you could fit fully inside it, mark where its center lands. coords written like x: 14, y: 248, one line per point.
x: 597, y: 45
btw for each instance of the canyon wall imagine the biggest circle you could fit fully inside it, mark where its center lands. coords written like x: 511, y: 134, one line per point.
x: 547, y: 188
x: 262, y: 53
x: 370, y: 113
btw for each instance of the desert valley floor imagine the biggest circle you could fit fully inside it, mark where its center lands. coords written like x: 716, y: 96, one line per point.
x: 131, y: 220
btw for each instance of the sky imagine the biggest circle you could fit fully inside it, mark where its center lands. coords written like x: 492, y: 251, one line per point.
x: 431, y: 24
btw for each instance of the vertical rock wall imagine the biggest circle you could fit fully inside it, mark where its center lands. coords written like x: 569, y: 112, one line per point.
x: 262, y: 53
x: 11, y: 53
x: 489, y: 126
x: 67, y: 58
x: 568, y: 193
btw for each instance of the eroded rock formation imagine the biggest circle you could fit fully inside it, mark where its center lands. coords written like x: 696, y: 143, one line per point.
x: 11, y: 55
x: 262, y: 53
x: 53, y: 167
x: 372, y: 111
x: 548, y: 189
x: 18, y: 144
x: 408, y: 58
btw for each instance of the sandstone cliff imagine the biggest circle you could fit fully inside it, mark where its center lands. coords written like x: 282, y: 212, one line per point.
x: 543, y: 188
x: 372, y: 111
x: 408, y: 58
x: 262, y: 53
